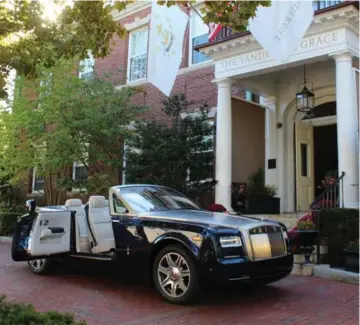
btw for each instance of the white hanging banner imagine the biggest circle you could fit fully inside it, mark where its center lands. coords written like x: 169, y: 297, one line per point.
x: 280, y: 28
x: 167, y: 29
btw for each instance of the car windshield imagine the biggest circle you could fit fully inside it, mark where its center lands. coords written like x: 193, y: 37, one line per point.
x: 153, y: 198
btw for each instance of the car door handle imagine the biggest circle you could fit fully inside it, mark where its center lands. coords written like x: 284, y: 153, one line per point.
x: 56, y: 230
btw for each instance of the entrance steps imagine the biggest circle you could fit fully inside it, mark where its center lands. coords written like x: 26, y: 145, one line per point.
x: 288, y: 219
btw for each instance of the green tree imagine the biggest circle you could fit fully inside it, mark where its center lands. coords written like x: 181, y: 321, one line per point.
x: 177, y: 152
x: 28, y: 37
x: 62, y: 119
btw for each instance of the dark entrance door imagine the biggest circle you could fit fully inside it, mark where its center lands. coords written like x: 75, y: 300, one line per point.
x: 325, y: 153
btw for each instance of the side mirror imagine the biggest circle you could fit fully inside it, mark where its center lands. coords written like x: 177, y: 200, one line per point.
x: 30, y: 205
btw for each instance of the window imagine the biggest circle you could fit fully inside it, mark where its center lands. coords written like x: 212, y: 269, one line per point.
x: 251, y: 97
x: 154, y: 198
x: 80, y: 175
x: 87, y: 67
x: 46, y: 82
x: 38, y: 182
x: 137, y: 63
x: 317, y: 5
x: 304, y: 159
x: 199, y: 34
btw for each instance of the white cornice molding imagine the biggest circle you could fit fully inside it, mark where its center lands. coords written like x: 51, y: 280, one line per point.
x: 131, y: 9
x: 347, y: 17
x: 137, y: 23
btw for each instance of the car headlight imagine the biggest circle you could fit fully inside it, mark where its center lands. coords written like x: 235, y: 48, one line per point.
x: 230, y: 241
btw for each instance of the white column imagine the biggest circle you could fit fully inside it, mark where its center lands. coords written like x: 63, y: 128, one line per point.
x: 271, y: 175
x: 223, y: 161
x: 346, y: 114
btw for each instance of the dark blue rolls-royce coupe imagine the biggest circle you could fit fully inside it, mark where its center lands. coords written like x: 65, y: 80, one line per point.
x: 160, y: 231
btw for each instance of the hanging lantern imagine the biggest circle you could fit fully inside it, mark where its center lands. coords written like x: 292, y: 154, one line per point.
x: 305, y: 99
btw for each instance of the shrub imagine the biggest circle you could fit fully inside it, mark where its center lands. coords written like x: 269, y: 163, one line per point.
x: 22, y: 314
x: 8, y: 218
x: 338, y: 227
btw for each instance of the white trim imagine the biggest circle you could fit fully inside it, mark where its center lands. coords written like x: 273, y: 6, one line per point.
x: 137, y: 23
x: 74, y: 166
x: 131, y: 9
x: 320, y: 121
x: 211, y: 113
x: 129, y: 56
x: 33, y: 190
x: 252, y: 103
x: 190, y: 40
x: 195, y: 67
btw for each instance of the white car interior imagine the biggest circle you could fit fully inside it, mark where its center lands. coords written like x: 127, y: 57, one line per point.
x: 100, y: 225
x: 50, y: 233
x: 82, y: 234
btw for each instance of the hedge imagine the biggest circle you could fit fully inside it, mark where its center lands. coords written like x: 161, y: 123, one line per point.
x: 22, y: 314
x: 8, y: 219
x: 338, y: 227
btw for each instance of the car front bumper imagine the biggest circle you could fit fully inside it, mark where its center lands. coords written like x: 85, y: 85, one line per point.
x: 242, y: 269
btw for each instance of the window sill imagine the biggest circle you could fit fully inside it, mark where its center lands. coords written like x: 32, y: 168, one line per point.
x: 77, y: 191
x: 35, y: 194
x: 135, y: 83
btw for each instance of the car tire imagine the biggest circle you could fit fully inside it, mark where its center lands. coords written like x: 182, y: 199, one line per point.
x: 177, y: 283
x: 41, y: 266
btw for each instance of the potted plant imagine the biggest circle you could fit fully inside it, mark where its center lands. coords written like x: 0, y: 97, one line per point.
x: 352, y: 256
x: 260, y: 198
x: 306, y: 233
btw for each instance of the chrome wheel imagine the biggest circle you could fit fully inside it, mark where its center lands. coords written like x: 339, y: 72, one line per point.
x: 173, y: 274
x: 37, y: 264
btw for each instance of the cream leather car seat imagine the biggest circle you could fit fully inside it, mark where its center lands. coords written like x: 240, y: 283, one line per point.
x: 82, y: 242
x: 100, y: 225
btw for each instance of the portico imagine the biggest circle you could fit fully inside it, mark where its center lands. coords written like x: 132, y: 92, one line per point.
x: 330, y: 53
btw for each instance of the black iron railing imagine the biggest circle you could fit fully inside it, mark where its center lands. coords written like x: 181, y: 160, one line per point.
x: 332, y: 197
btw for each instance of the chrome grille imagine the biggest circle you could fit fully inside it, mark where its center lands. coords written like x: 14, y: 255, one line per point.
x: 267, y: 242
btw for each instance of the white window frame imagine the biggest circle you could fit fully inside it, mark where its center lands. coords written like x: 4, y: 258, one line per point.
x: 74, y: 166
x: 33, y: 190
x: 144, y: 28
x: 191, y: 30
x: 87, y: 65
x: 248, y: 97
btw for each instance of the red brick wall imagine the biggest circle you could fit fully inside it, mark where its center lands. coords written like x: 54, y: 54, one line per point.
x: 196, y: 84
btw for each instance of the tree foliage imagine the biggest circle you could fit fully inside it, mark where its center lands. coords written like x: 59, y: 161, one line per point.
x: 62, y: 119
x: 27, y: 38
x: 178, y: 154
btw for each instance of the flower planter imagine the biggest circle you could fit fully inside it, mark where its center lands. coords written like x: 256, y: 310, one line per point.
x: 351, y: 261
x: 305, y: 242
x: 263, y: 205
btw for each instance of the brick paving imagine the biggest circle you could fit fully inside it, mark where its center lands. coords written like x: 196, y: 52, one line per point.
x: 101, y: 298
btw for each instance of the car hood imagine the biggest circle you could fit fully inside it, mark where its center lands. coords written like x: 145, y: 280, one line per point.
x: 203, y: 217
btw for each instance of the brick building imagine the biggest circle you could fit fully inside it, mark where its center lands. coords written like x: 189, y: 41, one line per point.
x: 128, y: 57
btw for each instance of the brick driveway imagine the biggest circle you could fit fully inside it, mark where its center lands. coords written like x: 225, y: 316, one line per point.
x: 106, y: 299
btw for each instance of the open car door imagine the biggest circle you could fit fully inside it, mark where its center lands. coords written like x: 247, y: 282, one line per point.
x: 41, y: 234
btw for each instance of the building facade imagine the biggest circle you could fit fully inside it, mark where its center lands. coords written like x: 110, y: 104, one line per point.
x: 299, y: 151
x: 127, y: 62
